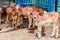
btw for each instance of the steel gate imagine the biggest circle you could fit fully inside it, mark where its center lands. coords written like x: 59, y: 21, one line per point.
x: 46, y: 4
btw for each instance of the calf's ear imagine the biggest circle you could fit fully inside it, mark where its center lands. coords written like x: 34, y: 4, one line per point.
x: 40, y: 14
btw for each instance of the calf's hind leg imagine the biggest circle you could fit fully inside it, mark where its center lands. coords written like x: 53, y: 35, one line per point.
x: 53, y: 33
x: 57, y: 29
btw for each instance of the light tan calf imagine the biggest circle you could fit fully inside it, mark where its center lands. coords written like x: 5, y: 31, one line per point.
x: 51, y: 17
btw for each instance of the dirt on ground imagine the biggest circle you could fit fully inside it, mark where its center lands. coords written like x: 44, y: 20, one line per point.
x: 23, y: 34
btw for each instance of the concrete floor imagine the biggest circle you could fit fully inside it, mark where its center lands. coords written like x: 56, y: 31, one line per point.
x: 22, y: 34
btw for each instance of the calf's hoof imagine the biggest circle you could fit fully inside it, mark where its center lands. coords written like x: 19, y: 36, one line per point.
x: 15, y: 28
x: 43, y: 34
x: 29, y: 28
x: 36, y: 35
x: 55, y: 36
x: 38, y: 38
x: 52, y: 36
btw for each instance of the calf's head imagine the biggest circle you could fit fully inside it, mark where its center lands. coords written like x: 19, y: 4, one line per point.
x: 18, y: 9
x: 35, y: 15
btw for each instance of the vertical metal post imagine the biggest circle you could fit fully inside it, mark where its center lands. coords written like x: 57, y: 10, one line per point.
x: 14, y: 1
x: 56, y: 3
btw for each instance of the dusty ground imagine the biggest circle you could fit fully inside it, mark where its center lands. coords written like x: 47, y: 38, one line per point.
x: 22, y: 34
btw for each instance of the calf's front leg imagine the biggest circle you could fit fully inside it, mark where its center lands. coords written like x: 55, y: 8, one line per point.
x: 13, y: 22
x: 39, y: 29
x: 30, y: 21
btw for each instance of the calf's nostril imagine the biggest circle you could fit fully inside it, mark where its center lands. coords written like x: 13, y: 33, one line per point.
x: 17, y: 12
x: 34, y: 17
